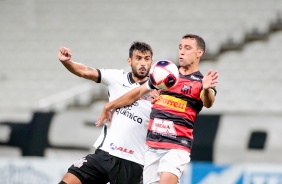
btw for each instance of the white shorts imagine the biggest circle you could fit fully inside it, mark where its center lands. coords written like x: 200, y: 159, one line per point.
x: 164, y: 160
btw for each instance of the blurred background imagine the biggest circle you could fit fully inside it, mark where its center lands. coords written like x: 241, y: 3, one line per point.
x: 47, y: 114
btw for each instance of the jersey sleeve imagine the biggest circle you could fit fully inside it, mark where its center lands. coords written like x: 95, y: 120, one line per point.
x: 150, y: 86
x: 109, y: 76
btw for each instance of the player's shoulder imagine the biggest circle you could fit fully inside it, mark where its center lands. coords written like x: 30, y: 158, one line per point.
x: 113, y: 72
x: 195, y: 76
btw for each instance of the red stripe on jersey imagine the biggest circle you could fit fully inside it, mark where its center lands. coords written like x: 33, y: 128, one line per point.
x: 189, y: 113
x: 187, y: 88
x: 165, y: 145
x: 183, y: 131
x: 150, y: 124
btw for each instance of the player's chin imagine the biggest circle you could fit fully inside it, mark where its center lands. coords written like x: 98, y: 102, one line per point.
x: 143, y: 73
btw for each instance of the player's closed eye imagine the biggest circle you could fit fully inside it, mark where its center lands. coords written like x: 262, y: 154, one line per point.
x: 147, y: 58
x: 138, y: 58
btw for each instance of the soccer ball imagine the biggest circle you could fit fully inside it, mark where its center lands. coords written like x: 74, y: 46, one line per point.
x: 164, y: 75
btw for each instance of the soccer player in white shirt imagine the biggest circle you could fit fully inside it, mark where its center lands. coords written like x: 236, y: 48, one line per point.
x: 120, y: 149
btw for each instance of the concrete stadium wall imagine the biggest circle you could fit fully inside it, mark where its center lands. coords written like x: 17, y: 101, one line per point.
x: 221, y: 139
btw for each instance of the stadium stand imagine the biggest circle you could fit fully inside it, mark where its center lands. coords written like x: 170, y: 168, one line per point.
x: 249, y: 77
x: 99, y: 34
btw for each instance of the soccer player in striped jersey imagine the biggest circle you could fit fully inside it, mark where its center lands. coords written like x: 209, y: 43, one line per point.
x: 120, y: 149
x: 170, y: 131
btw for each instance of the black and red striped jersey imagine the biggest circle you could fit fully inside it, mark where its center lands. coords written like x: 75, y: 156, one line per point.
x: 173, y: 114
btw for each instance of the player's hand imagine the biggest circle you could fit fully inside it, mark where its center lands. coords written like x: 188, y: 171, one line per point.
x: 154, y: 95
x: 210, y: 79
x: 64, y: 54
x: 105, y: 116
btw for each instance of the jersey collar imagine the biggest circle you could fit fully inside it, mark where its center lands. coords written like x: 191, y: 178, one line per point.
x: 132, y: 81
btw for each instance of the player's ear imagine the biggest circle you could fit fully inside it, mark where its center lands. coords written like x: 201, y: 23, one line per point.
x: 200, y: 52
x: 129, y: 61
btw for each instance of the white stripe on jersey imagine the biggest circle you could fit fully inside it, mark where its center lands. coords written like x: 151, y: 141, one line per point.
x: 126, y: 134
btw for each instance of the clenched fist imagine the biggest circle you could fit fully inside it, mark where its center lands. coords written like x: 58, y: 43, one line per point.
x: 64, y: 54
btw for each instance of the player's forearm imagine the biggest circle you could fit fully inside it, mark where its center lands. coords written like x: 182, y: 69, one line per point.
x: 207, y: 97
x: 128, y: 98
x: 124, y: 100
x: 73, y: 67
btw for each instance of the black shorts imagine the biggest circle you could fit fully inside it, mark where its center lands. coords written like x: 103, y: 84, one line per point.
x: 101, y: 168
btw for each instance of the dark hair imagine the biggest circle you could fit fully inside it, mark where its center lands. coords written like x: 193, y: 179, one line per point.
x: 140, y: 46
x: 200, y: 41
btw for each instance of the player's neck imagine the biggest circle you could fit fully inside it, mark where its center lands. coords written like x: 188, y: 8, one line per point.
x: 188, y: 70
x: 137, y: 79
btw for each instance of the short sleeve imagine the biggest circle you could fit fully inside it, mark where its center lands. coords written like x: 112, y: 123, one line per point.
x: 150, y: 86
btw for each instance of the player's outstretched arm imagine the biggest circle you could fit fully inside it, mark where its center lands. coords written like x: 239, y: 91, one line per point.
x: 127, y: 99
x: 64, y: 55
x: 208, y: 94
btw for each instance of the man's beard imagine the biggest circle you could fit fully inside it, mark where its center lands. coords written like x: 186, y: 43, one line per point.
x: 136, y: 74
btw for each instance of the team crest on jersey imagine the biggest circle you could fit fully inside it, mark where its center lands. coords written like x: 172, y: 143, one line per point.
x: 186, y: 89
x: 79, y: 162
